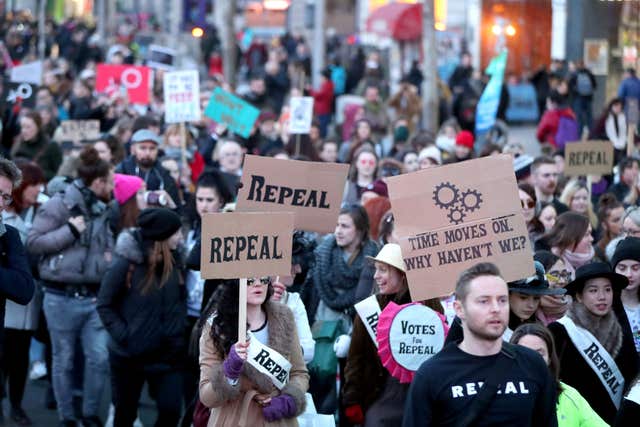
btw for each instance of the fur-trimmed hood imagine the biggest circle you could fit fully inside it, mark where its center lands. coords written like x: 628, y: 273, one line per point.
x: 129, y: 247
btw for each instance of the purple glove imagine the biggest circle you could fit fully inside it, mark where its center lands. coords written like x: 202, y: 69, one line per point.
x: 282, y: 406
x: 233, y: 364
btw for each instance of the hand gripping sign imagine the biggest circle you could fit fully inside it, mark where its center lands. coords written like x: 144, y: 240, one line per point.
x: 134, y: 79
x: 245, y: 245
x: 408, y: 335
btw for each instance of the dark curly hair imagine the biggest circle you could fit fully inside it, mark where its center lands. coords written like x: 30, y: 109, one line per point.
x: 224, y: 309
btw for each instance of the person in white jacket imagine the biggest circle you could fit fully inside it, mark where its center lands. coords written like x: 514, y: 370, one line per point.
x: 615, y: 126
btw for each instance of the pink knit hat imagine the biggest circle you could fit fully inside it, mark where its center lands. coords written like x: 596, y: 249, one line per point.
x: 125, y: 187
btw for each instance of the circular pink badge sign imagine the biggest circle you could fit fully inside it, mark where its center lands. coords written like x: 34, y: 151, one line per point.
x: 407, y: 336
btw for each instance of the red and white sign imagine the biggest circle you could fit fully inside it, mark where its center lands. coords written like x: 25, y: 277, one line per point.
x: 134, y: 79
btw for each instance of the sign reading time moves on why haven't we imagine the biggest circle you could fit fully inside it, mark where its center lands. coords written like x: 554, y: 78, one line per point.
x: 239, y: 115
x: 588, y: 158
x: 246, y: 244
x: 452, y: 217
x: 311, y: 190
x: 181, y: 96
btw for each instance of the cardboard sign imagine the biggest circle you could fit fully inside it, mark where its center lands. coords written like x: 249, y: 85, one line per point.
x: 301, y: 108
x: 453, y: 217
x: 27, y: 73
x: 311, y: 190
x: 237, y: 114
x: 181, y: 96
x: 408, y: 335
x: 369, y: 311
x: 135, y: 80
x: 588, y: 158
x: 19, y: 93
x: 269, y: 362
x: 246, y: 245
x: 79, y: 130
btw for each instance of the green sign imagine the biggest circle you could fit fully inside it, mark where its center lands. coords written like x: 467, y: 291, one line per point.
x: 232, y: 111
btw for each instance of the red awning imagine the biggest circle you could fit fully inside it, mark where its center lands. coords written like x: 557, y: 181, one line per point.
x: 400, y: 21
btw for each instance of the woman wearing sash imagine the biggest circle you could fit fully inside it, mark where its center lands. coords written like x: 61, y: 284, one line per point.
x: 233, y: 386
x: 371, y: 396
x: 595, y: 347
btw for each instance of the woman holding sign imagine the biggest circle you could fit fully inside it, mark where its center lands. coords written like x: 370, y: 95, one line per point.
x: 371, y: 396
x: 595, y: 346
x: 255, y: 383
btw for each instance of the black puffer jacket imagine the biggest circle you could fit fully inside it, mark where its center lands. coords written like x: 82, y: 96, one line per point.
x: 148, y: 328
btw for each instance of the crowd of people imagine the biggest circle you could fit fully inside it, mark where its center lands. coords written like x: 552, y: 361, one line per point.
x: 100, y: 245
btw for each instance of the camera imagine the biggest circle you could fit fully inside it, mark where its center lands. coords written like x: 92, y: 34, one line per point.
x: 154, y: 198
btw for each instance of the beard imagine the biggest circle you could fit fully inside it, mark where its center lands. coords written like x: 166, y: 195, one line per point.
x: 146, y: 162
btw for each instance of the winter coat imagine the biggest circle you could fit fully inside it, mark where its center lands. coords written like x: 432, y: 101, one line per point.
x: 156, y: 178
x: 548, y: 126
x: 71, y: 258
x: 575, y: 371
x: 323, y: 99
x: 48, y: 155
x: 574, y: 411
x: 364, y: 375
x: 233, y: 404
x: 16, y: 283
x: 616, y: 134
x: 148, y: 328
x: 20, y: 316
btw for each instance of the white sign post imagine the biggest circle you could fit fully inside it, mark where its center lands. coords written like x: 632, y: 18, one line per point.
x: 181, y: 96
x: 301, y: 114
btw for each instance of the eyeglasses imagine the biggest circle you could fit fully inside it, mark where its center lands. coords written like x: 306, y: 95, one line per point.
x: 263, y: 281
x: 527, y: 204
x: 631, y: 232
x: 6, y: 198
x: 555, y: 277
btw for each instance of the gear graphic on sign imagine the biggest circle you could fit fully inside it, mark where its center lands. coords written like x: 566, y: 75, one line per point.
x: 446, y: 195
x: 456, y: 215
x: 471, y: 200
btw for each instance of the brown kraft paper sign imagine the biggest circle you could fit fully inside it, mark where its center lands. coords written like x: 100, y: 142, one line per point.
x: 588, y: 158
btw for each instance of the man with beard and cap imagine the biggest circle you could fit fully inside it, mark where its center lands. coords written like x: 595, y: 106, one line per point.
x: 144, y: 163
x: 481, y: 380
x: 544, y: 174
x: 73, y: 241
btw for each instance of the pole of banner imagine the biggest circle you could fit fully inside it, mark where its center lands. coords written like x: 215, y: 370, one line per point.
x: 302, y: 78
x: 630, y: 138
x: 183, y: 148
x: 242, y: 311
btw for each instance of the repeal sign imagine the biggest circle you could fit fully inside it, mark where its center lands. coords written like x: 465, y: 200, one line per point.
x: 588, y: 158
x: 450, y: 218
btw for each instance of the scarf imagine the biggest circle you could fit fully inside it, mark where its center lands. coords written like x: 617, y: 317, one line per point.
x: 556, y: 307
x: 573, y: 260
x: 606, y: 329
x: 336, y: 281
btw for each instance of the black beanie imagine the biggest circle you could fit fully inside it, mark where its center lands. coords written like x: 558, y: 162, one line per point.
x: 628, y: 248
x: 158, y: 224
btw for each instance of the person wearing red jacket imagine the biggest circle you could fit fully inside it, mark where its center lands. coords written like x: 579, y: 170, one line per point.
x: 323, y: 101
x: 548, y: 126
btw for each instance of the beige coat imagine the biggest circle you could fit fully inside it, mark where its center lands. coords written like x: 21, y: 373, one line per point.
x: 234, y: 405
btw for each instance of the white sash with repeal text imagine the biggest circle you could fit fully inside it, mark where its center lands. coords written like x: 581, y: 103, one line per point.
x: 597, y: 358
x: 268, y: 361
x: 369, y: 311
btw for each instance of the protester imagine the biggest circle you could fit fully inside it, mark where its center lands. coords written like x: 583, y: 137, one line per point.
x: 32, y: 144
x: 130, y: 193
x: 558, y: 124
x: 323, y: 101
x: 629, y: 87
x: 142, y: 306
x: 626, y: 261
x: 616, y: 128
x: 546, y: 215
x: 572, y: 409
x: 582, y: 85
x: 464, y: 147
x: 446, y: 391
x: 594, y: 321
x: 553, y: 307
x: 72, y: 237
x: 626, y: 189
x: 528, y: 202
x: 362, y: 174
x: 544, y: 173
x: 230, y: 384
x: 361, y: 135
x: 109, y: 149
x: 16, y: 285
x: 570, y: 239
x: 610, y: 214
x: 371, y: 396
x: 429, y: 156
x: 577, y: 197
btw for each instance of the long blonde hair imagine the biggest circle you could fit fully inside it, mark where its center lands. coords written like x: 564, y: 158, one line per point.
x: 570, y: 191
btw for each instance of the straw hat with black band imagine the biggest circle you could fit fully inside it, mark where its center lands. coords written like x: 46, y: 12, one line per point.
x: 596, y: 270
x: 390, y: 254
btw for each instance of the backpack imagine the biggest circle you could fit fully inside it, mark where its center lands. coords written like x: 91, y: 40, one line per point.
x: 567, y: 131
x: 584, y: 86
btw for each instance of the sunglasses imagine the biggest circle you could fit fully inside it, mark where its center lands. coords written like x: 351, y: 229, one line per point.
x: 365, y: 162
x: 528, y: 204
x: 559, y: 276
x: 263, y: 281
